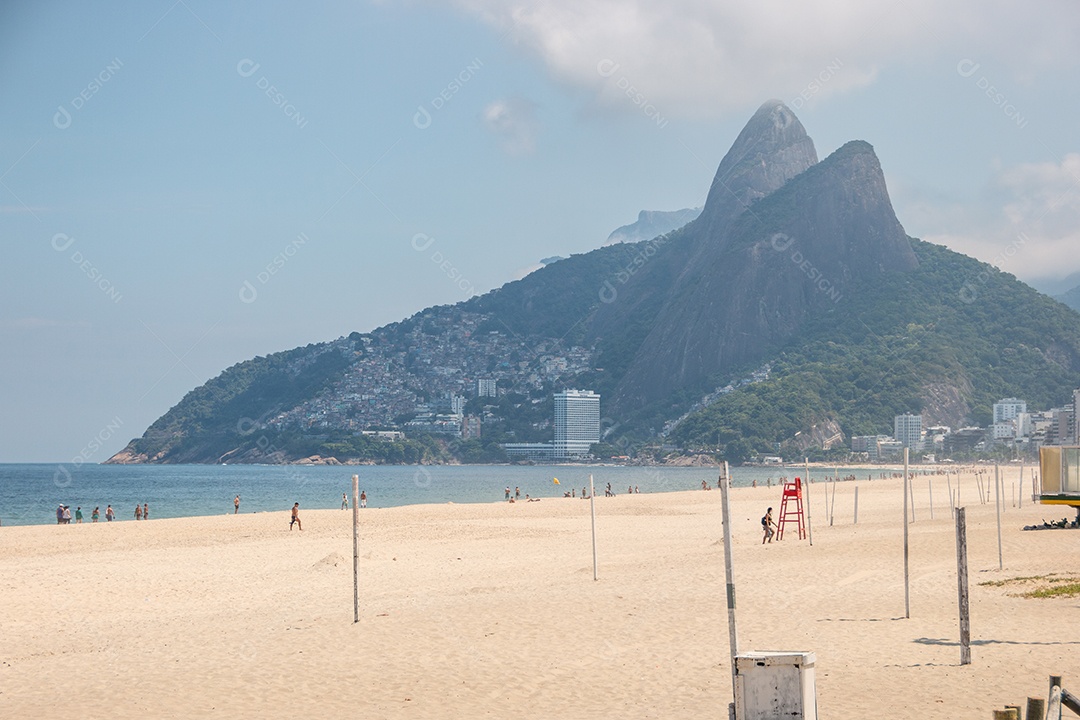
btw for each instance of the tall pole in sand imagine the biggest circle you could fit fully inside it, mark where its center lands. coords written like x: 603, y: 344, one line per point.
x: 592, y: 511
x: 907, y: 587
x: 809, y: 525
x: 997, y: 502
x: 962, y: 586
x: 355, y: 550
x: 1020, y: 492
x: 729, y: 570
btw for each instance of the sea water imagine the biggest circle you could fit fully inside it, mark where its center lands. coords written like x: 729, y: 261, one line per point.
x: 30, y: 493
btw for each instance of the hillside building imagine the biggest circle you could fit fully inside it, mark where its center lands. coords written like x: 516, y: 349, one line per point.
x: 885, y: 449
x: 1008, y: 409
x: 1076, y: 417
x: 470, y: 427
x: 907, y: 430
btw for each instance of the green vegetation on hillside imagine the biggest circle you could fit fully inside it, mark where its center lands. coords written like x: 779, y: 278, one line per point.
x: 954, y: 322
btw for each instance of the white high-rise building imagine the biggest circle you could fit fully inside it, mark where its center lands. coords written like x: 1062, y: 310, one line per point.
x: 907, y: 430
x: 485, y: 387
x: 1076, y: 416
x: 577, y: 422
x: 1008, y: 409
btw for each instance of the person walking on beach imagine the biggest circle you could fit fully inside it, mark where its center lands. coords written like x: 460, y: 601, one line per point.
x: 236, y: 505
x: 109, y: 514
x: 138, y: 511
x: 145, y: 511
x: 344, y: 501
x: 67, y: 515
x: 295, y: 517
x: 95, y: 515
x: 363, y: 499
x: 60, y: 514
x: 78, y: 515
x: 767, y: 526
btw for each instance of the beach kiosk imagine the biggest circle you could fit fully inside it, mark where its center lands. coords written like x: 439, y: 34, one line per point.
x: 1060, y: 473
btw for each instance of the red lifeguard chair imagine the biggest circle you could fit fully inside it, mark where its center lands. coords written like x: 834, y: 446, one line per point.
x: 792, y: 491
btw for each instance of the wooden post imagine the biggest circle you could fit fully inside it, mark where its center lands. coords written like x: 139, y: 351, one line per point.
x: 832, y: 505
x: 1053, y: 705
x: 355, y: 550
x: 1070, y: 701
x: 962, y: 586
x: 930, y: 484
x: 952, y: 507
x: 1036, y: 709
x: 911, y: 491
x: 907, y: 588
x: 809, y: 525
x: 997, y: 502
x: 592, y: 511
x: 856, y: 504
x: 1020, y: 494
x: 729, y: 571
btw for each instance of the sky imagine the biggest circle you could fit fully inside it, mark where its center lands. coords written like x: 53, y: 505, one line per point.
x: 187, y: 184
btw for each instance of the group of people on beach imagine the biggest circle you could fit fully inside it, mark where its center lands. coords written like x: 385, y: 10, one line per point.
x: 517, y: 496
x: 345, y: 500
x: 64, y: 515
x: 608, y: 492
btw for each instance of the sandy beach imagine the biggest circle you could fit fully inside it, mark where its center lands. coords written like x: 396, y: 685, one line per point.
x: 491, y: 610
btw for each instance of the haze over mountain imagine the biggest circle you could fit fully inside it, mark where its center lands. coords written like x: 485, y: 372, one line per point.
x: 651, y: 223
x: 794, y: 310
x: 1071, y: 298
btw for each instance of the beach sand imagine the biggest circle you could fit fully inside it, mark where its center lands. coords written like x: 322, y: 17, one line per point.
x: 491, y: 610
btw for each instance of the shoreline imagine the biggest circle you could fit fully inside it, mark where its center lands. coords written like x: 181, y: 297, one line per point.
x: 206, y: 491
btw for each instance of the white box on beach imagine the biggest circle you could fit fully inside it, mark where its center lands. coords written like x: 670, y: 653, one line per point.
x: 770, y: 685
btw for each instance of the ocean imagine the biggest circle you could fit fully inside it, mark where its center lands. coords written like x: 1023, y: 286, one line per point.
x: 30, y: 493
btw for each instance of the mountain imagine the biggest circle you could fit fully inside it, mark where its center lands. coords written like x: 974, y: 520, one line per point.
x: 1071, y: 298
x: 794, y: 311
x: 755, y: 283
x: 664, y: 303
x: 651, y: 223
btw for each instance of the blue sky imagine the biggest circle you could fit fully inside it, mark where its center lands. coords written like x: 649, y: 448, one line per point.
x: 187, y: 184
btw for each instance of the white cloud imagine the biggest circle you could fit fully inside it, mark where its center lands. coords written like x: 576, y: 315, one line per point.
x: 1028, y: 223
x: 705, y: 58
x: 513, y: 121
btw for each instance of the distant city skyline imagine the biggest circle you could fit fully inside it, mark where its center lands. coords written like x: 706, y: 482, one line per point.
x: 184, y: 186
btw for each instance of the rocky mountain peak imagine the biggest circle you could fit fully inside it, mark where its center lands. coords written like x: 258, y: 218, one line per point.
x: 772, y: 148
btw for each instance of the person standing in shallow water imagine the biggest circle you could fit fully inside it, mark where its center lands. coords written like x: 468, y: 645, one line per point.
x: 145, y: 511
x: 236, y: 505
x: 109, y: 514
x: 138, y: 511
